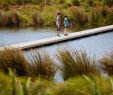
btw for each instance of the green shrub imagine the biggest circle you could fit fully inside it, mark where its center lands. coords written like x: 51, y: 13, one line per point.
x: 48, y: 15
x: 25, y: 20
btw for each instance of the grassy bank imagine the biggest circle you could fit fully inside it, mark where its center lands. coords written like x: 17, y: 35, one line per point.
x: 82, y: 13
x: 83, y: 75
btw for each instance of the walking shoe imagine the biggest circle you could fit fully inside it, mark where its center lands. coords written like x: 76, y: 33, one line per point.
x: 58, y: 35
x: 65, y: 34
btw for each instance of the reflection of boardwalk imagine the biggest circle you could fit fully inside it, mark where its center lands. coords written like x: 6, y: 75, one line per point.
x: 53, y: 40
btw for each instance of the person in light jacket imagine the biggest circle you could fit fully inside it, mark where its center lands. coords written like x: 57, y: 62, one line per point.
x: 66, y: 25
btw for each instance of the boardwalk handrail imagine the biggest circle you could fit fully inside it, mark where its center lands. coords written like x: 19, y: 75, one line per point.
x: 53, y: 40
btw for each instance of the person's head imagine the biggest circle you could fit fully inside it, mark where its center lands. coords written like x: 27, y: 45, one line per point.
x: 66, y: 16
x: 58, y: 13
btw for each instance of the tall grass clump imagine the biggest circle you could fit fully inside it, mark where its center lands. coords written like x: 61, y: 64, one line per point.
x: 95, y: 17
x: 79, y: 15
x: 42, y: 65
x: 9, y: 18
x: 76, y: 63
x: 13, y: 59
x: 108, y: 2
x: 107, y: 61
x: 110, y: 16
x: 37, y: 20
x: 48, y: 15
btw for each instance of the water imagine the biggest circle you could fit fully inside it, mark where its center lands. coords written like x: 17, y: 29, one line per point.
x: 18, y: 35
x: 99, y: 44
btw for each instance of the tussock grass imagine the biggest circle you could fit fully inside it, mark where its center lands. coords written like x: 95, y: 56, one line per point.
x: 107, y: 61
x: 9, y: 18
x: 76, y: 63
x: 37, y: 19
x: 42, y: 65
x: 95, y: 16
x: 14, y: 59
x: 79, y: 15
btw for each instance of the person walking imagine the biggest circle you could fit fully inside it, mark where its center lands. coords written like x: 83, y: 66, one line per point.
x: 66, y: 25
x: 58, y: 23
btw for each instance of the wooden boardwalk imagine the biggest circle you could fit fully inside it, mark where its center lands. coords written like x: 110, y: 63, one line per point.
x: 53, y: 40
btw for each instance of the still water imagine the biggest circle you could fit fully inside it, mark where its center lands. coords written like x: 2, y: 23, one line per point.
x: 18, y: 35
x: 98, y: 45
